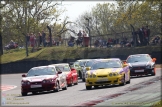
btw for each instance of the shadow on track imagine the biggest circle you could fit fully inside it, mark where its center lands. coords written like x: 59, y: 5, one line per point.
x: 101, y: 87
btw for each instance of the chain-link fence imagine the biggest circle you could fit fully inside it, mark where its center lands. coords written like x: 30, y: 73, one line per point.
x: 115, y: 37
x: 121, y: 39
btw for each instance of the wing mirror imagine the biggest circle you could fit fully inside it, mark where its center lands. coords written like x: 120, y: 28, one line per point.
x: 76, y: 65
x: 153, y: 59
x: 59, y: 72
x: 23, y: 75
x: 88, y: 68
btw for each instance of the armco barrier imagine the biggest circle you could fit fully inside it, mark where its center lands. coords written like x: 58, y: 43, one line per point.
x: 24, y: 66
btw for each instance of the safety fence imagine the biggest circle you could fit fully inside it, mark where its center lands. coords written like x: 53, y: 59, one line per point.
x: 117, y: 38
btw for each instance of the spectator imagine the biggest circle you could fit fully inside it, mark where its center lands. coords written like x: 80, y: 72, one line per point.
x: 40, y: 39
x: 35, y: 41
x: 145, y: 36
x: 28, y: 39
x: 148, y: 34
x: 96, y: 43
x: 117, y: 41
x: 108, y: 42
x: 48, y: 41
x: 71, y: 41
x: 156, y: 40
x: 80, y: 39
x: 60, y: 40
x: 100, y: 42
x: 32, y: 42
x: 72, y: 38
x: 84, y: 35
x: 140, y: 35
x: 44, y: 38
x: 135, y: 40
x: 11, y: 43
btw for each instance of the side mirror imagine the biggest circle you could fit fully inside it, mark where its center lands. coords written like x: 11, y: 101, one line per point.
x: 88, y: 68
x: 23, y: 75
x: 59, y: 72
x: 153, y: 59
x: 76, y: 65
x: 71, y: 66
x: 124, y: 65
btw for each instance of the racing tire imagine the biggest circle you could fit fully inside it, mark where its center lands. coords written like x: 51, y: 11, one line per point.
x: 96, y: 86
x: 58, y: 87
x: 71, y: 82
x: 153, y: 73
x: 83, y: 79
x: 24, y: 94
x: 76, y: 83
x: 88, y: 87
x: 128, y: 82
x: 80, y: 74
x: 34, y: 93
x: 65, y: 88
x: 122, y: 84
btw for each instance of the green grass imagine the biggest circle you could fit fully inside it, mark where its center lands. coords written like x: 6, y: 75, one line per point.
x: 157, y: 104
x: 47, y: 53
x: 63, y: 52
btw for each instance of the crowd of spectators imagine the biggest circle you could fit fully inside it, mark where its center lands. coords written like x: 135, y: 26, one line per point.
x: 99, y: 42
x: 156, y: 40
x: 79, y: 40
x: 40, y: 39
x: 141, y: 37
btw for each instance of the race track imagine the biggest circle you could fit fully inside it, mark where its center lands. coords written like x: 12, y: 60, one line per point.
x: 74, y: 95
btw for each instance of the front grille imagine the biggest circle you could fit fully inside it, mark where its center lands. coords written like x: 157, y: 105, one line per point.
x: 36, y: 89
x: 35, y: 83
x: 103, y: 82
x: 115, y: 80
x: 139, y: 67
x: 90, y: 82
x: 102, y: 76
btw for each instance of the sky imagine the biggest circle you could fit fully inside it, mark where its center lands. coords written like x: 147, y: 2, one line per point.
x: 76, y: 8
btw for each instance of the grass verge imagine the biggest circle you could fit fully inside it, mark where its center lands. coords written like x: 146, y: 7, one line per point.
x: 157, y: 104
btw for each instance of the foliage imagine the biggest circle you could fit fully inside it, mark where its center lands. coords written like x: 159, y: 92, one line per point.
x: 25, y: 16
x: 109, y: 18
x: 157, y: 104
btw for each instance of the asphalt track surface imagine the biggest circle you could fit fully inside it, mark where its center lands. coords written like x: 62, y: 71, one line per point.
x: 73, y: 96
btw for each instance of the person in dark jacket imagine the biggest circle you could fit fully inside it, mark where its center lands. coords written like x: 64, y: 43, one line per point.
x: 44, y: 38
x: 140, y: 35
